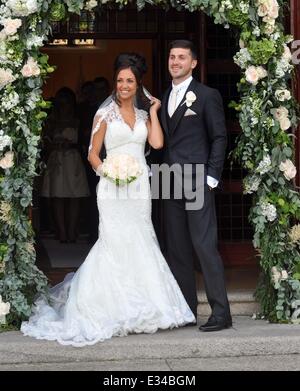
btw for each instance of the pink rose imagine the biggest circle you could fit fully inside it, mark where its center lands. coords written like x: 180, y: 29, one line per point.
x: 261, y: 72
x: 273, y: 9
x: 11, y: 26
x: 31, y: 68
x: 276, y: 275
x: 6, y: 77
x: 280, y: 113
x: 252, y: 75
x: 268, y: 8
x: 7, y: 161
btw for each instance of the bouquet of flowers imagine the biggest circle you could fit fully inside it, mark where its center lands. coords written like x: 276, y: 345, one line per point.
x: 121, y: 169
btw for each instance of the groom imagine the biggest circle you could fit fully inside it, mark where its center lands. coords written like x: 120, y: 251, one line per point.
x: 194, y: 134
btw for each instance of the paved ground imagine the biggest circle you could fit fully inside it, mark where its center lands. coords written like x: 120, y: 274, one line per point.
x: 249, y: 345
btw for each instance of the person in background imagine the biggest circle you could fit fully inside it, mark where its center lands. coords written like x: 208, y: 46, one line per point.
x: 102, y: 89
x: 65, y: 180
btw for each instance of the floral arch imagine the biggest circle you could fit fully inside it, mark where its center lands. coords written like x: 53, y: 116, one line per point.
x: 266, y: 110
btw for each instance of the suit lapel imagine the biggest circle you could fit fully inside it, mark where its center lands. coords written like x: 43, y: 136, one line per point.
x: 181, y: 108
x: 164, y: 110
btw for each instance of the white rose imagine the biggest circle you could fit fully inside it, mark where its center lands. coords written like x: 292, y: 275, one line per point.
x: 269, y: 29
x: 269, y: 20
x: 270, y: 25
x: 288, y: 168
x: 121, y: 166
x: 32, y: 5
x: 190, y: 98
x: 242, y: 44
x: 91, y: 4
x: 252, y: 75
x: 22, y: 7
x: 131, y: 171
x: 287, y: 55
x: 31, y: 68
x: 122, y: 173
x: 284, y: 275
x: 283, y: 95
x: 5, y: 141
x: 261, y: 72
x: 11, y: 26
x: 4, y: 307
x: 285, y: 124
x: 262, y: 10
x: 2, y: 36
x: 7, y: 161
x: 109, y: 168
x: 276, y: 275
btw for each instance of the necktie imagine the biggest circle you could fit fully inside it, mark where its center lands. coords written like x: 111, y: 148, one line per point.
x: 173, y: 101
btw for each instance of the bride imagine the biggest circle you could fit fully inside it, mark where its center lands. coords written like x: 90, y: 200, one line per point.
x: 124, y: 285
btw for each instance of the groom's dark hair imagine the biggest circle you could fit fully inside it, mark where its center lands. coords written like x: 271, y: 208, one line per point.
x: 184, y: 44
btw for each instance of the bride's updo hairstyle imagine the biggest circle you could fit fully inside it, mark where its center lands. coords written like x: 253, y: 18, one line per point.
x: 137, y: 64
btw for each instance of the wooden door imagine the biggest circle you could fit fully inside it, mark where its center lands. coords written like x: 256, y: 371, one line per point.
x: 294, y: 27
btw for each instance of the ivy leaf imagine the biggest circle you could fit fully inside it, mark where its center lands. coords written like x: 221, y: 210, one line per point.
x: 296, y: 276
x: 25, y: 202
x: 287, y: 151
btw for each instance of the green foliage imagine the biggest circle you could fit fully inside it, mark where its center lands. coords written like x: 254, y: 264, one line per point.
x: 237, y: 18
x: 265, y: 294
x: 261, y: 51
x: 57, y: 11
x: 265, y: 111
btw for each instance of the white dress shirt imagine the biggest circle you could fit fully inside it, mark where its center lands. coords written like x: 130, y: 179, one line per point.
x: 181, y: 90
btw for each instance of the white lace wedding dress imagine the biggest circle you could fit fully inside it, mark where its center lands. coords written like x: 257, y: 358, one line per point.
x: 124, y: 285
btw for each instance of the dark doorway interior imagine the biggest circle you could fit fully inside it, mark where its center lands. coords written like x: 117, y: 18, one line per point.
x: 154, y: 29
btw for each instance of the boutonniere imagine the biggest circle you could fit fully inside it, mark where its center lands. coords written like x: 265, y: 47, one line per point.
x: 189, y: 98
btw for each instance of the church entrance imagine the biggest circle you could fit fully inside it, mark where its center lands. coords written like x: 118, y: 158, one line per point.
x: 83, y: 49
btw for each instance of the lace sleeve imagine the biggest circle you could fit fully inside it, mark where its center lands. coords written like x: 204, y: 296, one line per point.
x: 143, y: 115
x: 99, y: 117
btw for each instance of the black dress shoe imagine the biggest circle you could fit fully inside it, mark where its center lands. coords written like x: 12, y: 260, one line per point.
x: 214, y: 324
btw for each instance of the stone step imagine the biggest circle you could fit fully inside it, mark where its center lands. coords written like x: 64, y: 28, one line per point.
x: 247, y: 337
x: 241, y: 302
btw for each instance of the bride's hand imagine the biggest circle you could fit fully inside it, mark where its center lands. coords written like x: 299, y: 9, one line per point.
x: 98, y: 170
x: 155, y: 104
